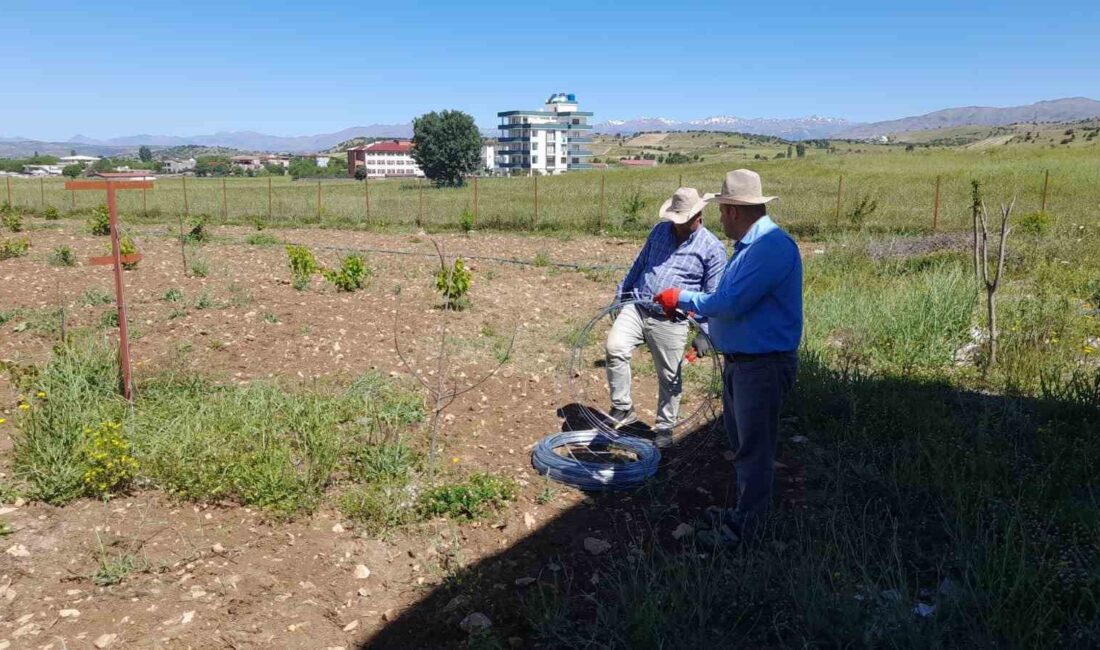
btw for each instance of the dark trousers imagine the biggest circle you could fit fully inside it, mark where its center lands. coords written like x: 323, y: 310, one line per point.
x: 753, y: 390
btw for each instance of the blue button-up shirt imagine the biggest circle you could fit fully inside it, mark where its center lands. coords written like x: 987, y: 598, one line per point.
x: 695, y: 264
x: 758, y: 305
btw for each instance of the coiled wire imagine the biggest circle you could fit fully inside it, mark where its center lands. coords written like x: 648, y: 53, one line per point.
x: 594, y: 476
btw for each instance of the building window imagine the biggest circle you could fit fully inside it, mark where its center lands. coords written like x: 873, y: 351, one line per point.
x: 534, y: 146
x: 534, y: 160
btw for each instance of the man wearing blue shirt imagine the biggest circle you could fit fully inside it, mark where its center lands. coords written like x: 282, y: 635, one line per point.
x: 679, y: 252
x: 755, y: 319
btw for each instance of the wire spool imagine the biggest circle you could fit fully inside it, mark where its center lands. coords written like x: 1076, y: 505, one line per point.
x: 595, y: 475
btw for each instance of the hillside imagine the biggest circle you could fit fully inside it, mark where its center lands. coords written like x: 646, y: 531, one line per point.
x: 1056, y: 110
x: 1056, y: 134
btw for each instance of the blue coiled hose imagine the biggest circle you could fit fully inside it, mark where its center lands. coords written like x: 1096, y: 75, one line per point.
x: 590, y: 476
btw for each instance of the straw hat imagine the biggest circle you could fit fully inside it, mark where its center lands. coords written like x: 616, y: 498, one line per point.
x: 684, y: 204
x: 741, y: 187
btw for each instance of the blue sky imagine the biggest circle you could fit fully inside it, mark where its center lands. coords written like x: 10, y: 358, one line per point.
x: 293, y: 68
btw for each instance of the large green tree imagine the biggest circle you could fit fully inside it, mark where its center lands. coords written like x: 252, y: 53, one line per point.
x: 446, y: 146
x: 145, y: 154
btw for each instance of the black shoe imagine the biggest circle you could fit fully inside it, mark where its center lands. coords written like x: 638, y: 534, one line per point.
x: 620, y: 418
x: 662, y: 438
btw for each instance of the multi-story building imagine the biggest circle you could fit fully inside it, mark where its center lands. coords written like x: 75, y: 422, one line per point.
x: 381, y: 159
x: 547, y: 141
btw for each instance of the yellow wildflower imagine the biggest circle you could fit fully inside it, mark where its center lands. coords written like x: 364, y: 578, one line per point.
x: 40, y: 394
x: 455, y: 459
x: 2, y: 420
x: 24, y: 406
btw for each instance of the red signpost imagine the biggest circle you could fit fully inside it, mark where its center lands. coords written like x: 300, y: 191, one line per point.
x: 116, y: 259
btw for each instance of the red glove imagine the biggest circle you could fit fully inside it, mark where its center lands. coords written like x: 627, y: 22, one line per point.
x: 668, y: 300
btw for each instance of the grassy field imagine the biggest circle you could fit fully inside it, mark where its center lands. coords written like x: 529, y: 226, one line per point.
x: 902, y: 184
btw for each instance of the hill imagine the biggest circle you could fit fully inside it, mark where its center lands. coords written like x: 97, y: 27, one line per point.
x: 1056, y: 110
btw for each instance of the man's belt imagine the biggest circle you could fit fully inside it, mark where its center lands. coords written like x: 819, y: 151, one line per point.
x: 733, y: 357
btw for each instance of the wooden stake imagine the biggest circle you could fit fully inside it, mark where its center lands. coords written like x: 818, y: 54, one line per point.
x: 186, y: 206
x: 681, y: 182
x: 42, y: 192
x: 318, y: 200
x: 120, y: 299
x: 366, y: 194
x: 475, y: 200
x: 536, y: 201
x: 839, y: 194
x: 225, y: 203
x: 603, y: 177
x: 269, y: 198
x: 936, y: 207
x: 1046, y: 179
x: 144, y: 203
x: 9, y: 191
x: 183, y: 245
x: 420, y: 213
x: 72, y: 199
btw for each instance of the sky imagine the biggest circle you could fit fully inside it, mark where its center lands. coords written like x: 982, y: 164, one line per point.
x: 105, y: 69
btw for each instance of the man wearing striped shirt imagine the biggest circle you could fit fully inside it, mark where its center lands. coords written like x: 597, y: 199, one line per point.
x: 679, y: 252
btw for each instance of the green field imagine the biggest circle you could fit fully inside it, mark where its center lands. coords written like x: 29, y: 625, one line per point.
x: 901, y: 183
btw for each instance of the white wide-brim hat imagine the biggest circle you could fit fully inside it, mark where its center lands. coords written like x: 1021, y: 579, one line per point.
x: 684, y: 204
x: 741, y: 187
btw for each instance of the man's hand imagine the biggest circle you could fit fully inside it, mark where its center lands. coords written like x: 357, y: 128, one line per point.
x: 701, y: 345
x: 668, y: 299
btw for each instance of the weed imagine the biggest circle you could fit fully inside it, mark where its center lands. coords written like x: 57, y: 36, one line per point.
x: 352, y: 275
x: 173, y: 295
x: 268, y: 317
x: 379, y: 506
x: 454, y: 283
x: 127, y: 246
x: 94, y: 297
x: 13, y: 221
x: 472, y: 499
x: 200, y: 268
x: 858, y: 215
x: 384, y: 462
x: 199, y: 233
x: 12, y: 248
x: 107, y: 456
x: 5, y: 529
x: 302, y: 265
x: 109, y: 320
x: 632, y: 207
x: 51, y: 214
x: 240, y: 296
x: 62, y: 256
x: 542, y: 259
x: 262, y: 240
x: 1035, y: 223
x: 466, y: 221
x: 206, y: 301
x: 99, y: 223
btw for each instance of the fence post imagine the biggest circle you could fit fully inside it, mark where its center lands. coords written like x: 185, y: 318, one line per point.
x: 9, y: 191
x: 420, y: 211
x: 144, y: 202
x: 366, y: 195
x: 839, y: 194
x: 1046, y: 179
x: 72, y: 199
x: 936, y: 207
x: 475, y: 201
x: 183, y: 243
x: 225, y: 203
x: 536, y: 201
x: 681, y: 182
x: 186, y: 212
x: 42, y: 192
x: 269, y: 199
x: 318, y: 200
x: 603, y: 177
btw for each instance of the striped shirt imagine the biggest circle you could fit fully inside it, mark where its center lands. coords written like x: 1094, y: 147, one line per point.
x: 695, y: 264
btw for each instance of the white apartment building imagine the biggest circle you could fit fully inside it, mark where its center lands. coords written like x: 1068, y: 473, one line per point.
x: 552, y: 140
x: 383, y: 159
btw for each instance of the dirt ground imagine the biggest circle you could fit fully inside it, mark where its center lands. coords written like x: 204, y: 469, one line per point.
x: 227, y: 577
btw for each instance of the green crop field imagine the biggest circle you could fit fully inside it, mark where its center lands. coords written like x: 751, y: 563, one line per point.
x: 901, y: 183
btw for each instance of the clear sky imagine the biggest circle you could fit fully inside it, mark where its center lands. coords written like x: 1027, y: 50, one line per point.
x: 295, y: 68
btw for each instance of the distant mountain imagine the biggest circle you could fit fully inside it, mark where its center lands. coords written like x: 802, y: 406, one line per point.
x: 22, y: 148
x: 799, y: 128
x: 253, y: 141
x: 1055, y: 110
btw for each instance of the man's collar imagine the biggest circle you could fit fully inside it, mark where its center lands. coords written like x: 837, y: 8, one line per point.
x: 763, y: 226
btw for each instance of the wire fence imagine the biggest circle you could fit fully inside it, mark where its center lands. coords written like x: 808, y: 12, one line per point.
x: 811, y: 199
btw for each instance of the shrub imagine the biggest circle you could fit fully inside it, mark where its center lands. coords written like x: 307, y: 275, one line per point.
x: 62, y: 256
x: 262, y: 240
x: 51, y: 214
x: 1036, y: 223
x: 379, y: 506
x: 454, y: 283
x: 127, y: 246
x: 12, y: 248
x: 173, y: 295
x: 13, y: 221
x: 466, y: 221
x: 352, y: 275
x: 302, y: 265
x: 99, y: 223
x: 473, y: 499
x: 198, y: 233
x: 857, y: 216
x: 200, y: 268
x: 632, y: 209
x: 107, y: 455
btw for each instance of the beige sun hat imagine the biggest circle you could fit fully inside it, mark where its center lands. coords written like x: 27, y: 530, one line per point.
x: 684, y: 204
x: 741, y: 187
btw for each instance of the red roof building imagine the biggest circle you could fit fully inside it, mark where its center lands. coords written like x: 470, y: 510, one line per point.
x: 384, y: 159
x: 626, y: 162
